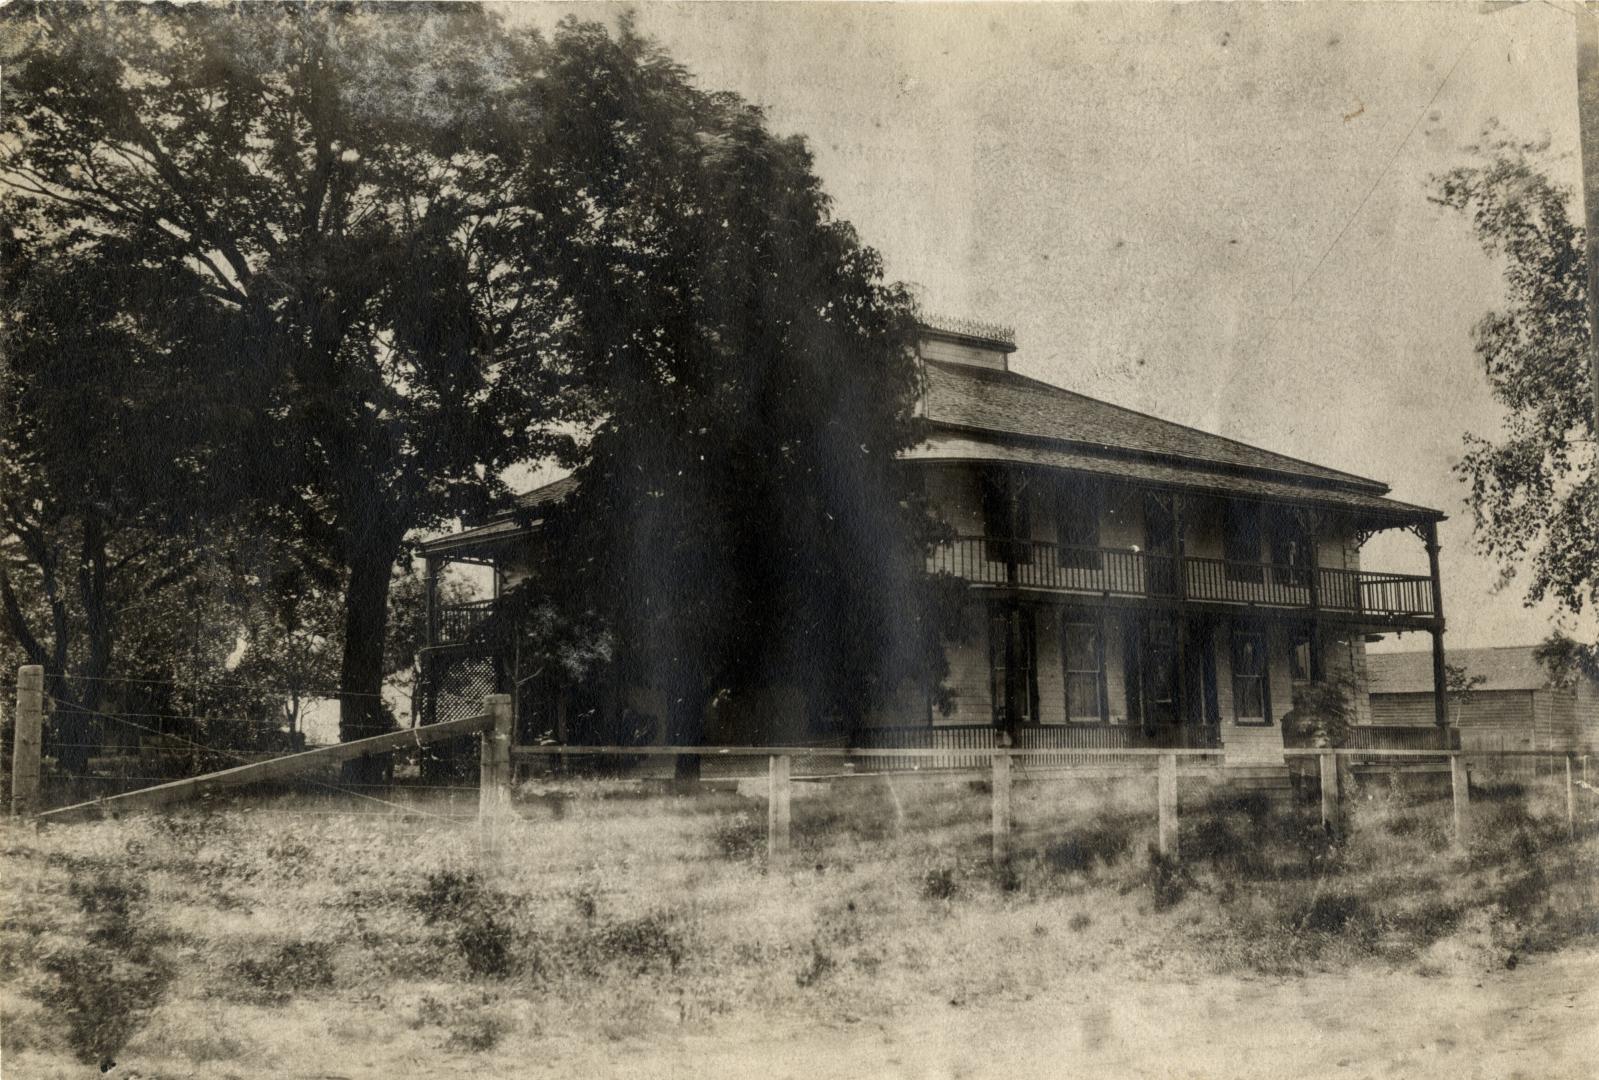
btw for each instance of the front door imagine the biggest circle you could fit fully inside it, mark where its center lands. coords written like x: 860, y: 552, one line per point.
x: 1200, y: 709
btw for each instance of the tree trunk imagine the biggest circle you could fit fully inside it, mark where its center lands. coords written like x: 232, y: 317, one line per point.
x: 366, y: 611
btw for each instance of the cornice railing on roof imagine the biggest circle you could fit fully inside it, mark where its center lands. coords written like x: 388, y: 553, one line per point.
x: 1119, y: 572
x: 1004, y: 335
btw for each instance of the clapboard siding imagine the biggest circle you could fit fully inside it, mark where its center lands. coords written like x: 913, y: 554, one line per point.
x: 968, y: 672
x: 1410, y: 709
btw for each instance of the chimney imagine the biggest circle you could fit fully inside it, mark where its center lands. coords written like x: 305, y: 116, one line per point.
x: 966, y: 341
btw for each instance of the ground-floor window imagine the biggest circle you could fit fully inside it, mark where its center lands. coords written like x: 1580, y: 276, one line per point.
x: 1301, y: 664
x: 1160, y: 673
x: 1249, y: 677
x: 1013, y: 674
x: 1083, y: 658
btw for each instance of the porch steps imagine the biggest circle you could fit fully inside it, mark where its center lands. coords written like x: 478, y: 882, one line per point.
x: 1204, y: 784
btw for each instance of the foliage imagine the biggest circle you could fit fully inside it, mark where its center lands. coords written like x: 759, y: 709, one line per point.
x: 337, y: 197
x: 1461, y: 685
x: 105, y: 511
x: 1323, y: 711
x: 1567, y: 659
x: 739, y: 520
x: 1534, y: 493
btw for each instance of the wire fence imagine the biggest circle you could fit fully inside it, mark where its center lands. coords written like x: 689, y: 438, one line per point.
x: 1303, y: 780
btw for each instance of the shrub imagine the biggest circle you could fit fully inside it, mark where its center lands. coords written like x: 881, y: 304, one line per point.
x: 940, y: 882
x: 1169, y: 880
x: 485, y: 945
x: 475, y: 1034
x: 291, y: 968
x: 1330, y: 912
x: 1104, y: 841
x: 739, y: 837
x: 476, y: 916
x: 643, y: 943
x: 817, y: 968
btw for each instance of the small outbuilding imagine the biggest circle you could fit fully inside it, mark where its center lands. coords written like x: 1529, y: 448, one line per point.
x: 1513, y: 703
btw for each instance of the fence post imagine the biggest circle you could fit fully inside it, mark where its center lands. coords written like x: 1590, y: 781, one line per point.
x: 1571, y: 804
x: 26, y: 740
x: 779, y: 768
x: 1166, y: 802
x: 494, y: 776
x: 1460, y: 784
x: 1328, y: 767
x: 1000, y: 787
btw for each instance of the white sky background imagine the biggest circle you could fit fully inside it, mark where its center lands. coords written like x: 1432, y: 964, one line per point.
x: 1140, y: 189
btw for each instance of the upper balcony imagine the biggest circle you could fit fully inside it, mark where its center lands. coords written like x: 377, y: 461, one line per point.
x: 1129, y: 574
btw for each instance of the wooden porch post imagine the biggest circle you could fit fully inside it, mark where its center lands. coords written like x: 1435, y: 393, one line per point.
x: 432, y: 578
x: 1440, y: 680
x: 1180, y: 585
x: 1312, y: 525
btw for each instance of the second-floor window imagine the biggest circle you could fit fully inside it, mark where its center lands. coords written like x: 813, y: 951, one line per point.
x: 1077, y: 513
x: 1241, y: 541
x: 1290, y: 542
x: 1007, y: 515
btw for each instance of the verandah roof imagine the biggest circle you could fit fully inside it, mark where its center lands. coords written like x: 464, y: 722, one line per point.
x: 957, y: 446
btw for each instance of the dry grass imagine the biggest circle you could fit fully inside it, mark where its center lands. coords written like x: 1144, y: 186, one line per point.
x: 244, y: 940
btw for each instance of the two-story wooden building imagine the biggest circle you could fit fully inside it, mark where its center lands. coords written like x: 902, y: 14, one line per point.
x: 1132, y: 582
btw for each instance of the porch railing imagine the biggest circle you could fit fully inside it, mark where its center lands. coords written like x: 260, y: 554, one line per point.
x: 1119, y: 572
x: 1386, y: 737
x: 1077, y: 744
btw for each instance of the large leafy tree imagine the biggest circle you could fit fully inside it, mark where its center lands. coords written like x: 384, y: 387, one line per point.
x: 104, y: 496
x: 739, y: 519
x: 1534, y: 490
x: 335, y: 196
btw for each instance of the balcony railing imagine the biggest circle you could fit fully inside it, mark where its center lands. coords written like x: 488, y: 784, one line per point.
x: 461, y: 624
x: 1118, y: 572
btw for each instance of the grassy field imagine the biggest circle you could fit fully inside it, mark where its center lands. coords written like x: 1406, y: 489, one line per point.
x: 273, y: 936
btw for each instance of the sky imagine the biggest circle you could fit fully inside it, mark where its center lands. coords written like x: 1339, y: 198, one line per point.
x: 1216, y: 213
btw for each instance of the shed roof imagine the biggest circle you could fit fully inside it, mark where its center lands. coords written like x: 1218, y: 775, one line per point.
x: 1501, y: 667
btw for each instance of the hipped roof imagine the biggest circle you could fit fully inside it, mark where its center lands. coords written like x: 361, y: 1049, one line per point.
x: 982, y: 414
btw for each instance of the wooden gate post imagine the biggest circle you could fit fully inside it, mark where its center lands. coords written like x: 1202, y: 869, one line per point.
x: 1460, y: 784
x: 1166, y: 805
x: 1000, y: 787
x: 26, y: 740
x: 494, y: 778
x: 1328, y: 766
x: 779, y: 768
